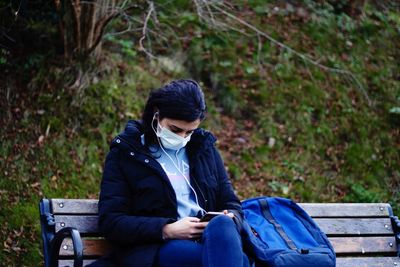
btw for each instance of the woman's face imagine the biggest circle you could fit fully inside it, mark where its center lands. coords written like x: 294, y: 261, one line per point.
x: 182, y: 128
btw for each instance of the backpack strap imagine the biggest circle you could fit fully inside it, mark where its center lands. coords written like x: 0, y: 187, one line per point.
x: 268, y: 216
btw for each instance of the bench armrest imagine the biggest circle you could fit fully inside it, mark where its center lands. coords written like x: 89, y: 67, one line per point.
x: 76, y: 241
x: 396, y: 229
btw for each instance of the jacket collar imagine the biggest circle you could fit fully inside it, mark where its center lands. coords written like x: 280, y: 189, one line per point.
x: 130, y: 137
x: 201, y: 139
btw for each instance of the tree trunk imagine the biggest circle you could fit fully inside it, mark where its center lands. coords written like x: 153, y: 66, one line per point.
x: 82, y: 26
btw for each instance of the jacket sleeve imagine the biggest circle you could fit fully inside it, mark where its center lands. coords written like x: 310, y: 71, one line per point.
x: 115, y: 221
x: 227, y: 198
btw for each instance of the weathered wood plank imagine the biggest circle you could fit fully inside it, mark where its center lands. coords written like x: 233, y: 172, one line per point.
x: 74, y: 206
x: 340, y: 262
x: 345, y: 227
x: 91, y: 247
x: 89, y: 206
x: 364, y: 245
x: 70, y: 263
x: 340, y: 227
x: 368, y: 262
x: 84, y: 224
x: 342, y: 246
x: 347, y: 209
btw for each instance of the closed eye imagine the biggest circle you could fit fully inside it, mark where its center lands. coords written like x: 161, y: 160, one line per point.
x: 178, y: 130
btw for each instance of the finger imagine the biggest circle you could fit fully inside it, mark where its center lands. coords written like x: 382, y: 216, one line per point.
x: 193, y: 219
x: 225, y: 212
x: 196, y: 231
x: 194, y: 234
x: 201, y: 225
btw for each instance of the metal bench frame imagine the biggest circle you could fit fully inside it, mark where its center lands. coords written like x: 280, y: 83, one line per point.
x: 52, y: 240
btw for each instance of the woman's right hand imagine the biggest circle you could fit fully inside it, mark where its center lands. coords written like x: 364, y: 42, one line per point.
x: 186, y: 228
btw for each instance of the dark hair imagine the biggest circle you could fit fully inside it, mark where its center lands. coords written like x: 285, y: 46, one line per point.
x: 178, y: 100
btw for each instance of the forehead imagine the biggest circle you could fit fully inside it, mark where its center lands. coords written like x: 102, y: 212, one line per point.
x: 184, y: 125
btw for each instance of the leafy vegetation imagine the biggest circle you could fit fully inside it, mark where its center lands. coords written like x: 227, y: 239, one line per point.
x: 286, y: 126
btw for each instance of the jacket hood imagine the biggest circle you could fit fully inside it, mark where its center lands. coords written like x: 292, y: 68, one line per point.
x: 131, y: 137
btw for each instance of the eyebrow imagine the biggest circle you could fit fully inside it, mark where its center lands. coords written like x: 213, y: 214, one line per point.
x: 176, y: 128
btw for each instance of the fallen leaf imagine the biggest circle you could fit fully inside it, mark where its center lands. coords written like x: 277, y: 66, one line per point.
x: 40, y: 140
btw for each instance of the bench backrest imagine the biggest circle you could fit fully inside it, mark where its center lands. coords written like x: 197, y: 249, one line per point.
x: 359, y: 233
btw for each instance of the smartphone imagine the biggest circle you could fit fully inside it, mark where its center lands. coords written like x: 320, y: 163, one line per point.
x: 209, y: 215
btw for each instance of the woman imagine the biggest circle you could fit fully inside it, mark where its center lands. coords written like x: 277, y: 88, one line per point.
x: 161, y: 176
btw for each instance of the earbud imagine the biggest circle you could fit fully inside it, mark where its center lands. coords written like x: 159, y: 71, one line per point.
x: 155, y: 116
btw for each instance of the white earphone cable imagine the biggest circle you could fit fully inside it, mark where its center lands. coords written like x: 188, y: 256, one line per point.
x: 186, y: 179
x: 203, y: 211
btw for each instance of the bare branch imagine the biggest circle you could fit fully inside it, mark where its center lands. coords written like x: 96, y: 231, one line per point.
x: 128, y: 29
x: 209, y: 11
x: 99, y: 30
x: 198, y: 8
x: 259, y: 49
x: 201, y: 13
x: 144, y: 30
x: 207, y: 15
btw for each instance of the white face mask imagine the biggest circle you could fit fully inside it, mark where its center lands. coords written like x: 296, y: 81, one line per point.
x: 171, y: 140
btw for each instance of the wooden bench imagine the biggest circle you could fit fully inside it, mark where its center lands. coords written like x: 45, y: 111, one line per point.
x: 362, y: 234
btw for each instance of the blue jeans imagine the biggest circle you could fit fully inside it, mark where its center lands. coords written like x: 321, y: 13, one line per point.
x: 220, y: 245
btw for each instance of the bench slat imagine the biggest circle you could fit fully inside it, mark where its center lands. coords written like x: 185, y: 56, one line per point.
x: 70, y: 263
x: 347, y: 209
x: 342, y: 245
x: 91, y: 247
x: 89, y: 206
x: 346, y: 227
x: 343, y: 227
x: 368, y: 262
x: 340, y: 262
x: 74, y: 206
x: 364, y: 245
x: 84, y: 224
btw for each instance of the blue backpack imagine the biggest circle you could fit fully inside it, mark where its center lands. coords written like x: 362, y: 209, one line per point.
x: 279, y: 233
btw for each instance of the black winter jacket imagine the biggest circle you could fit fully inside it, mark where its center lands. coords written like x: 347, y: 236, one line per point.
x: 137, y: 199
